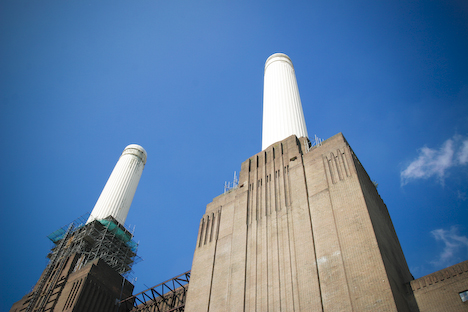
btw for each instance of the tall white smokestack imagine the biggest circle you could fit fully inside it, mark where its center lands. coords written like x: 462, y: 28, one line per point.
x: 117, y: 195
x: 282, y: 108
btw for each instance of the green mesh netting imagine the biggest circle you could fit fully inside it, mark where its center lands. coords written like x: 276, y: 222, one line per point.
x: 57, y: 235
x: 114, y: 229
x: 111, y: 227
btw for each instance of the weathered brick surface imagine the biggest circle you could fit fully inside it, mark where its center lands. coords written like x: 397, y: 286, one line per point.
x: 305, y: 231
x: 439, y: 291
x: 95, y: 287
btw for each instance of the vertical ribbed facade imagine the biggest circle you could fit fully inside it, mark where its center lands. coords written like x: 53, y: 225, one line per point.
x: 282, y: 108
x: 304, y: 231
x: 117, y: 195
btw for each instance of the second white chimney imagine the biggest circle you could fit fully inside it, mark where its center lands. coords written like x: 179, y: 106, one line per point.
x: 117, y: 195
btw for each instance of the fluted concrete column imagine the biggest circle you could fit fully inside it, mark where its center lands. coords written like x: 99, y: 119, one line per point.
x: 117, y: 195
x: 282, y: 108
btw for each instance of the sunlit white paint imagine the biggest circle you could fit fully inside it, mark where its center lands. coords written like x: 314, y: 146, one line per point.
x: 282, y: 108
x: 118, y: 193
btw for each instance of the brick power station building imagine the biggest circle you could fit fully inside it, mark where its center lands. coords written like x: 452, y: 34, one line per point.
x: 303, y: 230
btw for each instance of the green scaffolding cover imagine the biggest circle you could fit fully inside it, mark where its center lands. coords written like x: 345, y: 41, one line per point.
x: 119, y: 233
x: 126, y: 237
x: 114, y: 229
x: 57, y: 235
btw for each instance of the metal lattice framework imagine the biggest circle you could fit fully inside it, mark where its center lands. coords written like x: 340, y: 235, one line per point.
x: 105, y: 239
x: 104, y: 243
x: 167, y: 296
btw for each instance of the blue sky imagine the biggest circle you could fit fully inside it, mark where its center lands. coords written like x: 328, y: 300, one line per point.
x: 80, y: 80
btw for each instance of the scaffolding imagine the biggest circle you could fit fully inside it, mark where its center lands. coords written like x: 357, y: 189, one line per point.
x: 108, y: 240
x: 169, y: 296
x: 105, y: 239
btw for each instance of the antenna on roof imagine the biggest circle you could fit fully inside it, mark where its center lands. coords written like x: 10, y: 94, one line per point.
x: 228, y: 186
x: 316, y: 142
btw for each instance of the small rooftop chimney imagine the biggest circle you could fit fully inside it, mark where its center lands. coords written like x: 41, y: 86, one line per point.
x: 117, y: 195
x: 282, y: 108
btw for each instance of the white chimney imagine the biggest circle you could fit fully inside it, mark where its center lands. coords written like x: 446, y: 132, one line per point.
x: 282, y: 108
x: 117, y: 195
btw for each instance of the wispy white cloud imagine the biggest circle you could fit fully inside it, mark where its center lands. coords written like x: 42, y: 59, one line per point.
x: 463, y: 153
x: 455, y: 246
x: 435, y: 162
